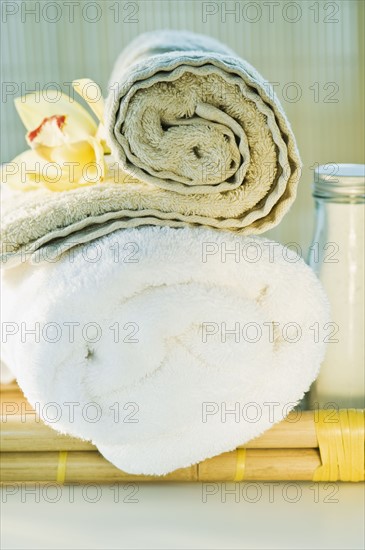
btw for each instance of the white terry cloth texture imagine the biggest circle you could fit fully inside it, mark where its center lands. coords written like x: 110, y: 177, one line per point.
x: 141, y: 331
x: 198, y: 136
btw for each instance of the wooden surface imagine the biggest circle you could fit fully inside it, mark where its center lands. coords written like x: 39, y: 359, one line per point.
x: 22, y: 431
x: 30, y: 452
x: 90, y: 466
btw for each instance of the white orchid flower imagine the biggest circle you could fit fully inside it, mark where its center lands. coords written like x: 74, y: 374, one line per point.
x: 66, y: 144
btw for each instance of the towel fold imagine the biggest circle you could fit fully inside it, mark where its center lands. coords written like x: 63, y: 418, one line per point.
x: 164, y: 346
x: 187, y: 115
x: 197, y: 137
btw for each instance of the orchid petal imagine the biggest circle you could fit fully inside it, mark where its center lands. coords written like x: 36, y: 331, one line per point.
x: 56, y: 168
x: 34, y: 108
x: 99, y: 156
x: 97, y: 104
x: 101, y: 136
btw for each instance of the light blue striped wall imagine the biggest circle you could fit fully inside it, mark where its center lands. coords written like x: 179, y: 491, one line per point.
x: 325, y: 45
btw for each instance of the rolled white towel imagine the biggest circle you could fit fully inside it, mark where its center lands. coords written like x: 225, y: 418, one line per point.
x: 148, y: 338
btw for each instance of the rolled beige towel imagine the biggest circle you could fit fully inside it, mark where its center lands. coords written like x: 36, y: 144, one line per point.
x: 197, y: 136
x: 188, y: 116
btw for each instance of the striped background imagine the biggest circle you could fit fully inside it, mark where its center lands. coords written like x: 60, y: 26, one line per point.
x: 314, y: 51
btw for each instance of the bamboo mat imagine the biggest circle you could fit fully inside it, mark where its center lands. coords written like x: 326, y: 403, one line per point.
x: 34, y: 452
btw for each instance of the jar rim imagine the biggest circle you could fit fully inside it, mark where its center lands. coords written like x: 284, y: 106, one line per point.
x: 336, y: 180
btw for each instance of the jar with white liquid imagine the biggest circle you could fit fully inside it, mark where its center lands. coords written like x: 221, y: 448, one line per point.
x: 337, y: 256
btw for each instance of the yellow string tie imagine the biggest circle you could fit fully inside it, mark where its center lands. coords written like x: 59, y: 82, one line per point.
x: 240, y: 465
x: 340, y: 437
x: 61, y: 468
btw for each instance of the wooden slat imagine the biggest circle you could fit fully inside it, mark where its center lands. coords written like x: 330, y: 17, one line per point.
x: 90, y: 466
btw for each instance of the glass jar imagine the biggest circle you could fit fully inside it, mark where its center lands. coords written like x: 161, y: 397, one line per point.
x: 337, y: 256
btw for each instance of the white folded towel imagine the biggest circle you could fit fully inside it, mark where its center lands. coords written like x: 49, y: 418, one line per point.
x: 132, y: 346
